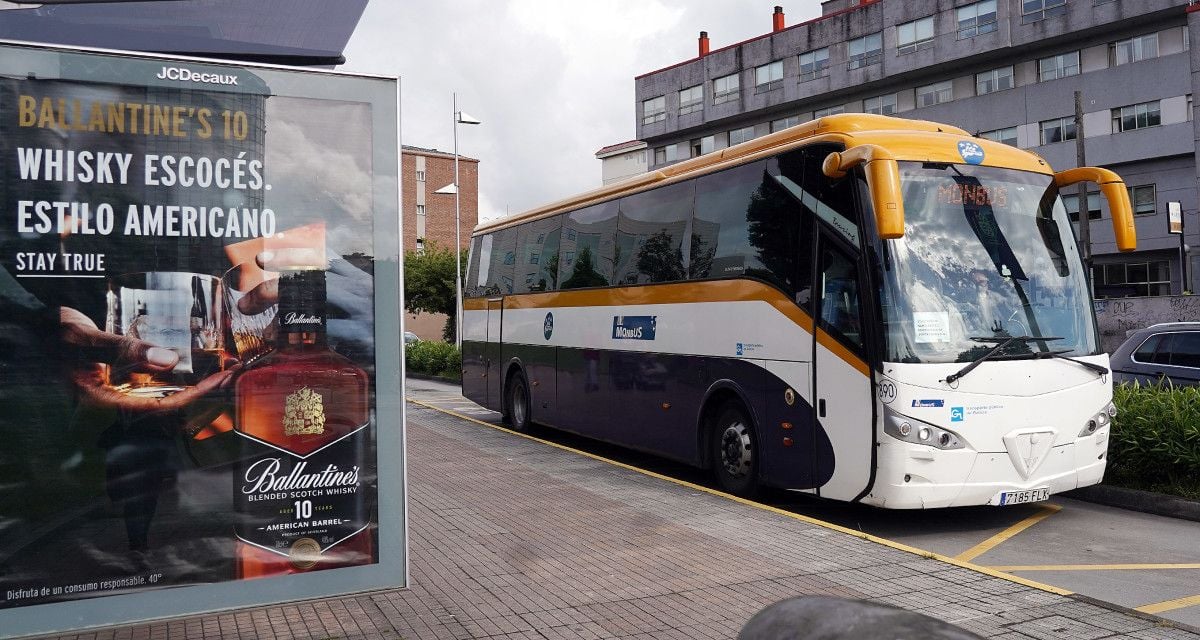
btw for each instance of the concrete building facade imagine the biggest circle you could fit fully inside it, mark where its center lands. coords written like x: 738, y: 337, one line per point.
x: 1004, y: 69
x: 429, y: 216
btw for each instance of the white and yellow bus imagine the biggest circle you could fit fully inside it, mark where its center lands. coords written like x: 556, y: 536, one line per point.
x: 860, y: 307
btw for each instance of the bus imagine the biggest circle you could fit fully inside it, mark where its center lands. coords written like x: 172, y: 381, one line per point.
x: 861, y: 307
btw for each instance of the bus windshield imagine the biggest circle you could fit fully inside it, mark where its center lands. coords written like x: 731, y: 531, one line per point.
x: 987, y: 254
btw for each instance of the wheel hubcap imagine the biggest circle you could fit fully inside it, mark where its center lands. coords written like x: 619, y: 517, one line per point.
x: 737, y: 454
x: 518, y: 404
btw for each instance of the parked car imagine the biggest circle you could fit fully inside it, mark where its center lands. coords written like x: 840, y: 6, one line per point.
x: 410, y: 338
x: 1169, y: 350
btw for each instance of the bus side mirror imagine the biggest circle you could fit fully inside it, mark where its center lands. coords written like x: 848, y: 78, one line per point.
x: 1114, y: 192
x: 883, y: 180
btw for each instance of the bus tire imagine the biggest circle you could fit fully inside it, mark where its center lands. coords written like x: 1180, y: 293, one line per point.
x: 735, y: 453
x: 516, y: 403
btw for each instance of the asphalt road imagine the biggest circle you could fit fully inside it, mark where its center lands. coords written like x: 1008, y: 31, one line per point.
x: 1136, y: 560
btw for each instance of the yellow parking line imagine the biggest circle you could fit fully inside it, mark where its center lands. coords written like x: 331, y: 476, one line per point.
x: 788, y: 514
x: 1046, y: 511
x: 1092, y: 567
x: 1169, y: 605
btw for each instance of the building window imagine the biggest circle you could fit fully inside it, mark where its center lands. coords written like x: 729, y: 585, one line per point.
x: 784, y: 123
x: 865, y: 51
x: 1142, y: 198
x: 669, y: 153
x: 917, y: 34
x: 1071, y: 203
x: 993, y: 81
x: 829, y: 111
x: 935, y: 93
x: 884, y: 105
x: 976, y: 19
x: 654, y: 110
x: 1057, y: 130
x: 691, y: 100
x: 420, y: 245
x: 738, y: 136
x: 701, y: 146
x: 1136, y: 116
x: 1059, y: 66
x: 1034, y: 10
x: 420, y: 175
x: 813, y: 64
x: 768, y: 76
x: 1008, y: 135
x: 420, y: 209
x: 725, y: 88
x: 1151, y: 278
x: 1133, y: 49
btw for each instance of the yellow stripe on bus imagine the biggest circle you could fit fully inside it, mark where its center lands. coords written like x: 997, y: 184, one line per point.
x: 678, y: 293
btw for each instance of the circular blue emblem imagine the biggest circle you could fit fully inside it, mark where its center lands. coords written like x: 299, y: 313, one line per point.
x: 548, y: 325
x: 972, y: 153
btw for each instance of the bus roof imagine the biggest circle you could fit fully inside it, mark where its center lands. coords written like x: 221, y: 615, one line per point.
x: 913, y: 140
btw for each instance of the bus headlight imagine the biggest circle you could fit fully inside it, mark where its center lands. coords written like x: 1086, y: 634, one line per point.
x: 917, y: 432
x: 1099, y: 421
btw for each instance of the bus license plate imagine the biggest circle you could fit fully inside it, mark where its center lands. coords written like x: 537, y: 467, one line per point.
x: 1023, y: 496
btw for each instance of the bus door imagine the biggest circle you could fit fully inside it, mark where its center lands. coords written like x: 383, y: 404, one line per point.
x: 491, y: 355
x: 843, y: 403
x: 841, y: 377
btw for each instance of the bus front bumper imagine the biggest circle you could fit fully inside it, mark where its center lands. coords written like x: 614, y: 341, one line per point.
x: 920, y: 477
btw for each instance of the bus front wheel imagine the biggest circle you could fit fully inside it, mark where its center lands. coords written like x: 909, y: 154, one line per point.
x: 735, y: 451
x: 517, y: 405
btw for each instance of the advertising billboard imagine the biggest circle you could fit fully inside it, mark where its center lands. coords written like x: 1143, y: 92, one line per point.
x: 200, y: 389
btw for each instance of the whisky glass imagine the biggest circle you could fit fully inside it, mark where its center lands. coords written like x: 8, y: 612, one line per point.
x: 252, y: 333
x: 173, y: 310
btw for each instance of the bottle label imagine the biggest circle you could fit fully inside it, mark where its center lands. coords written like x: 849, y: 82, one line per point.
x: 302, y: 506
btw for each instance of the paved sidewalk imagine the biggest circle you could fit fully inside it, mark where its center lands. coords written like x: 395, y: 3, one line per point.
x: 511, y: 538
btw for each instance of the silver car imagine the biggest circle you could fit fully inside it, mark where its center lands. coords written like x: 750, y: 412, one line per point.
x: 1170, y: 350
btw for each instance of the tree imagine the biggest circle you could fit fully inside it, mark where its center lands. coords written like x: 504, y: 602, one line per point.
x: 429, y: 283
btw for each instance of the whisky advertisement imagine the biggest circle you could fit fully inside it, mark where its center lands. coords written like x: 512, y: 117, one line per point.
x: 189, y: 259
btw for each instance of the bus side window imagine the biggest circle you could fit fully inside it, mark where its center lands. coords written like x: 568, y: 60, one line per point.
x: 839, y: 296
x: 503, y: 262
x: 537, y: 246
x: 650, y: 233
x: 586, y: 246
x: 472, y: 285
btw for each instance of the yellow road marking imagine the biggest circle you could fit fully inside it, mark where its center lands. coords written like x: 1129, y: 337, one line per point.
x: 1170, y: 605
x: 989, y: 544
x: 1092, y: 567
x: 787, y: 514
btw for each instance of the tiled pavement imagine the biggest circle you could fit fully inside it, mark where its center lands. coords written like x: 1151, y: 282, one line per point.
x: 511, y: 538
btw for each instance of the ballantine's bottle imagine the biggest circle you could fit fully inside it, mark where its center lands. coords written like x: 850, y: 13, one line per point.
x: 300, y: 484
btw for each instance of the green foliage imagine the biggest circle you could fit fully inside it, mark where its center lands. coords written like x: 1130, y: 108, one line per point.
x: 429, y: 282
x: 1155, y: 442
x: 433, y: 358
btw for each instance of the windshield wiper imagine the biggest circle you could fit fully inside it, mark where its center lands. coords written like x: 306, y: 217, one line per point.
x: 1059, y: 355
x: 1002, y: 343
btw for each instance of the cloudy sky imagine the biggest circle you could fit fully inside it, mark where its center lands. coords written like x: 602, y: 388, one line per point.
x: 552, y: 81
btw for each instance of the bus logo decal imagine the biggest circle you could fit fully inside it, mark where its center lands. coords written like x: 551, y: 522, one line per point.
x: 956, y: 414
x: 634, y: 327
x: 971, y: 153
x: 548, y: 325
x: 928, y: 404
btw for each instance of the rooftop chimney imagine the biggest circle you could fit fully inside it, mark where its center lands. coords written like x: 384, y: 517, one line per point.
x: 703, y: 43
x: 777, y: 19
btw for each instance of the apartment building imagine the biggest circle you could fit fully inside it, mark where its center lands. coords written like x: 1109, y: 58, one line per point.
x: 1004, y: 69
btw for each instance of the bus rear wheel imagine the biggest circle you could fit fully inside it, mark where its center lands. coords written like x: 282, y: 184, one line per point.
x: 517, y: 403
x: 735, y: 451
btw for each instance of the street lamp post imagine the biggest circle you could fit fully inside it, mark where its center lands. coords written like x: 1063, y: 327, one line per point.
x: 459, y: 118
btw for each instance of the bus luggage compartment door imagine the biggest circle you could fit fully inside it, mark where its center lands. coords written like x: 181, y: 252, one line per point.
x: 491, y: 355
